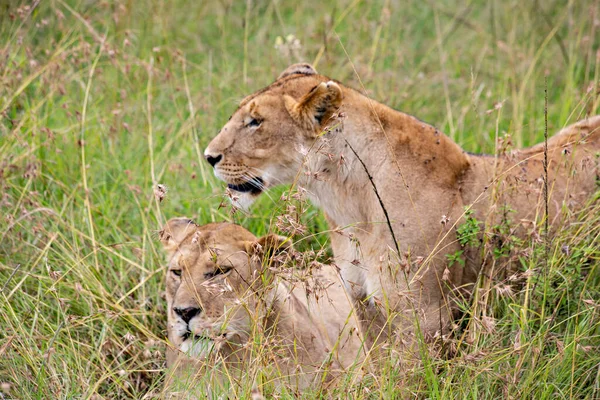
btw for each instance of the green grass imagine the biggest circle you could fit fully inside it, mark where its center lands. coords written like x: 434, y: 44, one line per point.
x: 100, y: 101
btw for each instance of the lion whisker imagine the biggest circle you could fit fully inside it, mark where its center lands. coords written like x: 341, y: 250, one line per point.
x: 261, y: 172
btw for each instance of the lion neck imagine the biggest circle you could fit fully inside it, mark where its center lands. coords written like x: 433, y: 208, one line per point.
x: 395, y: 149
x: 290, y: 323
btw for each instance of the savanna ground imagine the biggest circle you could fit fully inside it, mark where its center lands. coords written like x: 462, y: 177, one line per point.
x: 100, y: 101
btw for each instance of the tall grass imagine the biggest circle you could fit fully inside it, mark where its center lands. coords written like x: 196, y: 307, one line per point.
x: 102, y: 101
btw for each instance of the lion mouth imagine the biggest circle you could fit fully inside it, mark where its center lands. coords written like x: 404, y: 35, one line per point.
x: 199, y: 336
x: 253, y: 186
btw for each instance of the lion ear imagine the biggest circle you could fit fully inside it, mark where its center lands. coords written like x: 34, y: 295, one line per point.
x: 175, y: 231
x: 302, y: 69
x: 275, y: 243
x: 316, y: 107
x: 269, y: 244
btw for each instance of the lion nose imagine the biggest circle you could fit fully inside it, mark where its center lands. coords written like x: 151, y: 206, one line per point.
x: 213, y: 160
x: 187, y: 313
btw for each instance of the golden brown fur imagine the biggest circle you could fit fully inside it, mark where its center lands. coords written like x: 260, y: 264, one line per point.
x: 219, y: 280
x: 305, y: 128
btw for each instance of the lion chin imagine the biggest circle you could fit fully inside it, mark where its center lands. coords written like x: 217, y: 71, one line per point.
x: 198, y: 347
x: 243, y: 200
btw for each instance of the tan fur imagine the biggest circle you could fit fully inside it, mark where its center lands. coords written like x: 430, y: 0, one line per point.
x: 305, y: 315
x: 422, y: 176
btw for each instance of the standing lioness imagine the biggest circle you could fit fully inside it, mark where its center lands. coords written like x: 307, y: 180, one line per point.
x: 228, y: 303
x: 340, y: 145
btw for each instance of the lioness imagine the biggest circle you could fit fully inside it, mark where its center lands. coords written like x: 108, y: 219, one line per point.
x: 221, y: 292
x: 394, y: 187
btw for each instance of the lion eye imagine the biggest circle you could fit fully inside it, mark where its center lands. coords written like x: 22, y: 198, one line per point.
x: 253, y: 123
x: 218, y: 271
x: 176, y: 272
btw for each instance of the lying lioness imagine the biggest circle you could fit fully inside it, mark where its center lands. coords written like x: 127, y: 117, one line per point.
x: 223, y: 290
x: 394, y: 188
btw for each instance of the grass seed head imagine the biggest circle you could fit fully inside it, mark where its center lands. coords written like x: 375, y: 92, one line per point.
x: 160, y: 192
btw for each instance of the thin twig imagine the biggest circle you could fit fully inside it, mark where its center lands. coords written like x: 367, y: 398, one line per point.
x: 10, y: 277
x: 387, y: 218
x: 546, y: 221
x: 82, y: 130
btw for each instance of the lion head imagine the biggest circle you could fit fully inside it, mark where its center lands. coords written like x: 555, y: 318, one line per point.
x: 212, y: 272
x: 263, y: 142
